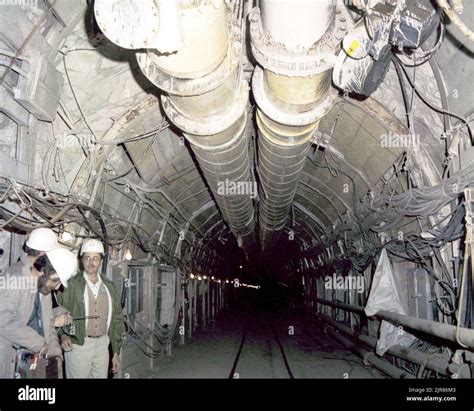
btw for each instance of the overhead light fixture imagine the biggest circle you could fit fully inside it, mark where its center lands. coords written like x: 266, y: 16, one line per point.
x: 191, y: 276
x: 128, y: 255
x: 66, y: 236
x: 205, y: 277
x: 212, y: 278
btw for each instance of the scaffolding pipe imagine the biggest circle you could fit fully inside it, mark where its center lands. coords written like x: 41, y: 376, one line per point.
x: 343, y: 306
x: 440, y: 365
x: 440, y: 330
x: 367, y: 356
x: 445, y: 331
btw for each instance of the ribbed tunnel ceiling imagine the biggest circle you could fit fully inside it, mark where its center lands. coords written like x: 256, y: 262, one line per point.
x: 116, y: 150
x: 287, y: 184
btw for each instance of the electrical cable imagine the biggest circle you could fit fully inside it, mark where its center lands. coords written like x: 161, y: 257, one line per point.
x: 419, y: 58
x: 28, y: 38
x: 437, y: 109
x: 455, y: 19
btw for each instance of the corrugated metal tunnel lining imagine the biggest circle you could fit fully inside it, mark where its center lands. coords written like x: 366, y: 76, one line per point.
x: 248, y: 171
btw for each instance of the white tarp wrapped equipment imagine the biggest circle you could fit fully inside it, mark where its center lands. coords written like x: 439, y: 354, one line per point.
x: 384, y: 295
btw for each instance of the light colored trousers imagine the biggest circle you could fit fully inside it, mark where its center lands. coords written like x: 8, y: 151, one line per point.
x: 90, y: 360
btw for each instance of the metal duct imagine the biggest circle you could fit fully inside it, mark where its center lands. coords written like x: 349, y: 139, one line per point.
x: 293, y: 93
x: 282, y: 152
x: 224, y: 159
x: 207, y: 99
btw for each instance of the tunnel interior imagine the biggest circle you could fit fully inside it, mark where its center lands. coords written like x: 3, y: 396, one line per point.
x: 270, y: 178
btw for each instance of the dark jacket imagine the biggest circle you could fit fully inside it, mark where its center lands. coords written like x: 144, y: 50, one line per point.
x: 73, y: 299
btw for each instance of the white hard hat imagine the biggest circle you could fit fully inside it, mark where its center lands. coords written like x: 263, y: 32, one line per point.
x: 42, y: 239
x: 92, y: 246
x: 64, y: 263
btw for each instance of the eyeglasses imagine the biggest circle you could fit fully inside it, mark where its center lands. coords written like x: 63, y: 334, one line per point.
x: 89, y: 259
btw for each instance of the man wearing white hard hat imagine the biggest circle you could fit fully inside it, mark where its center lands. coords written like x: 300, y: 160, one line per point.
x: 38, y: 242
x: 41, y: 240
x: 94, y: 298
x: 26, y: 311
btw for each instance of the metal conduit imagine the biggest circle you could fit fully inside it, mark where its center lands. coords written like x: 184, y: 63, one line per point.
x: 435, y: 363
x: 370, y: 357
x: 224, y: 160
x: 293, y: 93
x: 437, y: 329
x: 281, y: 156
x: 208, y: 102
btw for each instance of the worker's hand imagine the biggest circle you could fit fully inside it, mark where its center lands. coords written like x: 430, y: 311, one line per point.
x: 115, y: 363
x: 66, y: 343
x: 44, y: 350
x: 62, y: 320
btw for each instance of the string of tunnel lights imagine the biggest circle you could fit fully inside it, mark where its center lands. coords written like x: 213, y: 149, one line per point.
x: 236, y: 283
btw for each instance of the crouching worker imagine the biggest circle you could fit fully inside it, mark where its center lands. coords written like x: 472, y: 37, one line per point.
x: 27, y: 323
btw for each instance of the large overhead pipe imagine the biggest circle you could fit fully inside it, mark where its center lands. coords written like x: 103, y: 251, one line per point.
x: 196, y: 61
x: 295, y: 43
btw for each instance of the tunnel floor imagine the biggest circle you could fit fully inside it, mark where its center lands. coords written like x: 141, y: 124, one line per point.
x: 255, y: 344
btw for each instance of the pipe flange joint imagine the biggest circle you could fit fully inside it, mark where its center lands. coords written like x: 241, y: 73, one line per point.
x: 201, y: 85
x: 283, y: 117
x: 208, y: 125
x: 298, y: 62
x: 238, y: 135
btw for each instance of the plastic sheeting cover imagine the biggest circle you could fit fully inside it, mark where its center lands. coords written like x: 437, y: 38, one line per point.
x: 384, y: 295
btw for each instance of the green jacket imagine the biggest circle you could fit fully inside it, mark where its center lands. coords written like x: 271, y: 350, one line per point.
x: 73, y: 299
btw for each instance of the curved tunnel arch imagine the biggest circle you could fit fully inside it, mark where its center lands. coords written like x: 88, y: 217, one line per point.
x: 144, y: 148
